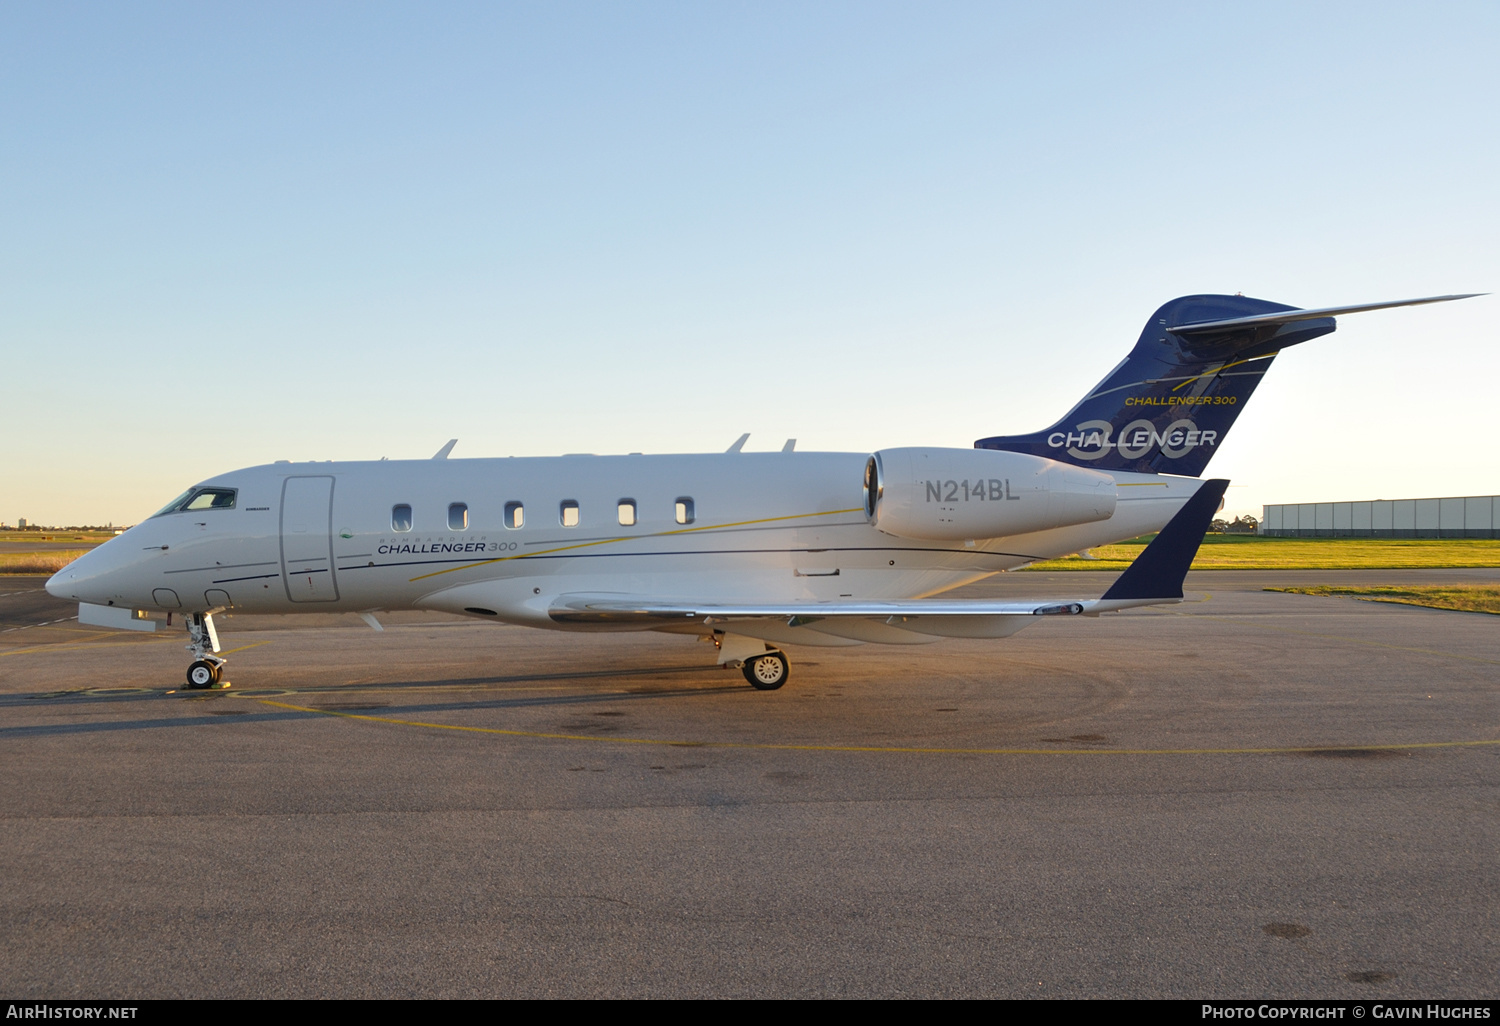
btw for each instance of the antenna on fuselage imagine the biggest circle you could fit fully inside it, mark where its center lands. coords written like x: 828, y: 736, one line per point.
x: 739, y: 443
x: 442, y: 453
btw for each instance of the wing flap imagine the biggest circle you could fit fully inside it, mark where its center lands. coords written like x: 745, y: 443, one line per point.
x: 876, y: 632
x: 1001, y: 625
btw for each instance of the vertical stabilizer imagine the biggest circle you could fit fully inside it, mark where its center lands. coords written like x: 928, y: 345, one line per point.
x: 1168, y: 405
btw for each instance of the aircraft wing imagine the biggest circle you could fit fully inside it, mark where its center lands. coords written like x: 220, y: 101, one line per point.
x: 892, y: 622
x: 1154, y: 578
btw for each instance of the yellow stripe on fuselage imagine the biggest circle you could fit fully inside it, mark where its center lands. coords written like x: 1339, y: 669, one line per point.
x: 637, y: 537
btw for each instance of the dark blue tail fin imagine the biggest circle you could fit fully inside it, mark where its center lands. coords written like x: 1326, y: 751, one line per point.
x: 1167, y: 407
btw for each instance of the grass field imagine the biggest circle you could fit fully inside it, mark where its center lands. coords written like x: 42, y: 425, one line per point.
x: 1251, y: 552
x: 90, y: 537
x: 37, y: 562
x: 1469, y: 598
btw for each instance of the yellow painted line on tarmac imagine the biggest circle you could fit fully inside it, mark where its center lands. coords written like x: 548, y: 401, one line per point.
x: 253, y: 644
x: 82, y: 646
x: 260, y: 694
x: 60, y: 625
x: 891, y: 749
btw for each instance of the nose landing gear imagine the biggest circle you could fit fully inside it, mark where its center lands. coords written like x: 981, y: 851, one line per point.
x: 206, y: 669
x: 203, y: 674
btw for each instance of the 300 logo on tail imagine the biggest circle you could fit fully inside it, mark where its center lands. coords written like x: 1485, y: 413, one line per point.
x: 1092, y: 439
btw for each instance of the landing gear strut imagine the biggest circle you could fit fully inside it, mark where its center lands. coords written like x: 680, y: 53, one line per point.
x: 206, y: 668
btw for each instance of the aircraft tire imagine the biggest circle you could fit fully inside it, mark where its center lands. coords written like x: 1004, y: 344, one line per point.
x: 202, y: 674
x: 767, y: 672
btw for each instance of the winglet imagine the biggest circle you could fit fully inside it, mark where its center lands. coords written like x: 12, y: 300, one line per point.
x: 739, y: 443
x: 442, y: 453
x: 1158, y: 572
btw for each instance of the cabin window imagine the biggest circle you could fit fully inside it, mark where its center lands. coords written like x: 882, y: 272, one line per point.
x: 515, y: 515
x: 627, y: 512
x: 568, y: 513
x: 458, y: 516
x: 401, y: 517
x: 684, y: 510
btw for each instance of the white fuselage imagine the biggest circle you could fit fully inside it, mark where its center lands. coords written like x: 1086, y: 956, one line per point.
x: 764, y: 527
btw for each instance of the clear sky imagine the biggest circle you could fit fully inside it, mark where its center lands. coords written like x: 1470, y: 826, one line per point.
x: 236, y: 233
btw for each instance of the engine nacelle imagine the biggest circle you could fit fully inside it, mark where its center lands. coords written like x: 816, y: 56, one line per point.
x: 958, y: 494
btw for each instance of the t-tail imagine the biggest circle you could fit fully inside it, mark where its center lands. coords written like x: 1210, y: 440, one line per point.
x: 1168, y: 405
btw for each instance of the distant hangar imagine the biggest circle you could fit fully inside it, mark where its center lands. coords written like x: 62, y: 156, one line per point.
x: 1466, y: 516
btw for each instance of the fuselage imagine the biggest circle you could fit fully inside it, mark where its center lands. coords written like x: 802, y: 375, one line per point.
x: 503, y: 538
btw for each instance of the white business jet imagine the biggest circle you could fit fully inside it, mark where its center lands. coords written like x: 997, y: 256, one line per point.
x: 758, y: 551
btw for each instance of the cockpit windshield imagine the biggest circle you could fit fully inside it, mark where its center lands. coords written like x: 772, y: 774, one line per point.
x: 195, y: 499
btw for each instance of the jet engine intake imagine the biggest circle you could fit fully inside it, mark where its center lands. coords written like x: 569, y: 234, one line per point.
x: 958, y: 494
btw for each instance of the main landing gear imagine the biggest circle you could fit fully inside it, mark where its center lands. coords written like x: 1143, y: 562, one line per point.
x: 764, y: 667
x: 767, y: 672
x: 206, y: 669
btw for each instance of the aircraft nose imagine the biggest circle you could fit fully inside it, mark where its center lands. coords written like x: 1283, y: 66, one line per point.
x: 55, y: 586
x: 69, y: 582
x: 87, y: 578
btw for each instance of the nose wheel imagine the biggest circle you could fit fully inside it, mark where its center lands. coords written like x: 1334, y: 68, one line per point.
x: 204, y: 674
x: 766, y: 672
x: 206, y: 669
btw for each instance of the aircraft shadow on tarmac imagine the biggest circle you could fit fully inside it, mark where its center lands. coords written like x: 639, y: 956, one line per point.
x: 217, y: 717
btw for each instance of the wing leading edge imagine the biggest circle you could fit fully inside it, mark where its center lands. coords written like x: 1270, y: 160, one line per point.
x: 1154, y: 578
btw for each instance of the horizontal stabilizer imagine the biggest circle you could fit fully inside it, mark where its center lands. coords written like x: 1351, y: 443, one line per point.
x: 1158, y: 572
x: 1198, y: 328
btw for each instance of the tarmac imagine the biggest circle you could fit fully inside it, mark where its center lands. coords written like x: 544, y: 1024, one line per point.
x: 1249, y: 795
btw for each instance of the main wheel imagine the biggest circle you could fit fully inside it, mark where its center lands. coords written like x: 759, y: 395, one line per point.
x: 202, y: 674
x: 766, y: 672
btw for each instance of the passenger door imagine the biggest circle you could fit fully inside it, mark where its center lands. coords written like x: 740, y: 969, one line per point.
x: 307, y: 539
